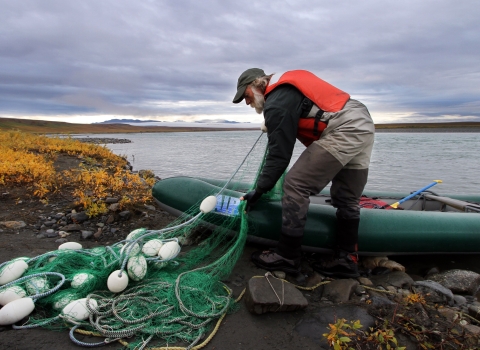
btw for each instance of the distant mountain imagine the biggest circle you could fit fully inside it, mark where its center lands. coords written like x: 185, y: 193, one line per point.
x: 216, y: 121
x: 51, y: 127
x: 135, y: 121
x: 126, y: 121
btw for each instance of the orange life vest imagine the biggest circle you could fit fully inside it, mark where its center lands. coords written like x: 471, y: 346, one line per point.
x: 324, y: 95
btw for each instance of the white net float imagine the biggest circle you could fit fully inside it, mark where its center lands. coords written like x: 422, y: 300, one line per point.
x: 11, y: 293
x: 77, y: 310
x: 208, y: 204
x: 16, y: 310
x: 137, y: 267
x: 116, y: 283
x: 12, y: 271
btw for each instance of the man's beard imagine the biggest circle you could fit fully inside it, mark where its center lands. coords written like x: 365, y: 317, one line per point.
x: 258, y: 100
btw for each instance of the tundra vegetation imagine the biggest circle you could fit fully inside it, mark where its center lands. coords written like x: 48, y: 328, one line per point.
x: 28, y: 160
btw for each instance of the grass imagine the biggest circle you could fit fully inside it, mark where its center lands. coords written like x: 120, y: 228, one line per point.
x: 28, y: 161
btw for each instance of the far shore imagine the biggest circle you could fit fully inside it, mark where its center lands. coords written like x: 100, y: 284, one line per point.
x: 63, y: 128
x: 441, y: 130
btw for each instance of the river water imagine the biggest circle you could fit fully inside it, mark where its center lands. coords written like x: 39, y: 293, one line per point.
x: 400, y: 162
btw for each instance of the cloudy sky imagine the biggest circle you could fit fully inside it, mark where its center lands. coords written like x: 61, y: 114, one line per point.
x: 89, y: 60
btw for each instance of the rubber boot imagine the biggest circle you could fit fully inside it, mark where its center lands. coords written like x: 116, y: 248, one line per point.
x: 347, y: 234
x: 344, y: 264
x: 289, y: 247
x: 345, y: 261
x: 285, y: 257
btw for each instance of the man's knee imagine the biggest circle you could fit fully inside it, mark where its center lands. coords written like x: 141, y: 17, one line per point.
x: 348, y: 213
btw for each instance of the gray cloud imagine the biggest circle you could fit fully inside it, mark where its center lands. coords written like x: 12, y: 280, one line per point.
x: 413, y: 58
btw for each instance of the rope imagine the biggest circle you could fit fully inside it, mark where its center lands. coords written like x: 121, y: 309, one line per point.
x: 470, y: 317
x: 124, y: 343
x: 47, y: 321
x: 377, y: 290
x: 280, y: 301
x: 200, y: 346
x: 295, y: 285
x: 38, y: 295
x: 244, y: 159
x: 78, y: 342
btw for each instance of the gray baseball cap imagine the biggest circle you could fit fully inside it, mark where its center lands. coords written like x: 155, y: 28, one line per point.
x: 246, y: 78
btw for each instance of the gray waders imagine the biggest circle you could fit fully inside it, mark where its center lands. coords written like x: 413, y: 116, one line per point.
x: 341, y: 156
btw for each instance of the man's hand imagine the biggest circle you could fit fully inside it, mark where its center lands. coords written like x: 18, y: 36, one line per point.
x: 251, y: 197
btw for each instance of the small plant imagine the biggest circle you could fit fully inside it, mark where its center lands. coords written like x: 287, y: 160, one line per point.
x: 384, y: 338
x: 415, y: 298
x: 340, y: 333
x: 344, y: 335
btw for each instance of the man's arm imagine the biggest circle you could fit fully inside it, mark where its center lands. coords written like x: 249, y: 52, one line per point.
x: 282, y: 112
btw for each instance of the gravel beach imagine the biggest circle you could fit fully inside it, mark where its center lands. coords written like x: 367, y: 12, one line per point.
x: 444, y: 311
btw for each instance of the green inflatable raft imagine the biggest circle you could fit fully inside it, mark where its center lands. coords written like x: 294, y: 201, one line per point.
x: 428, y: 223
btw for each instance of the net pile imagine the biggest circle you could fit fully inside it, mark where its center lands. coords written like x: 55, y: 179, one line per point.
x: 171, y: 298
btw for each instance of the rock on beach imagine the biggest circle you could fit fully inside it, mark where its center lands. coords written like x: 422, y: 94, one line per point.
x: 13, y: 224
x: 458, y: 281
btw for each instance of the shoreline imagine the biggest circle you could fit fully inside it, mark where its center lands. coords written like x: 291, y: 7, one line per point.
x: 65, y: 128
x: 377, y: 130
x: 102, y: 140
x: 428, y: 130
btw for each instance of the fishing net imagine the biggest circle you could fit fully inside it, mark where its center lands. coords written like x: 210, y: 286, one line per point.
x: 174, y: 294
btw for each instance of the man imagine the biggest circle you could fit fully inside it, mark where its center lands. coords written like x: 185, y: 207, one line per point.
x: 339, y: 133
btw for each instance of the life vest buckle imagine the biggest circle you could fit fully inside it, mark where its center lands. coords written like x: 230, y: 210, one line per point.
x: 307, y: 106
x: 318, y: 118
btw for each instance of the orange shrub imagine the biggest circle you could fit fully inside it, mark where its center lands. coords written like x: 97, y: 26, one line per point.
x: 28, y: 160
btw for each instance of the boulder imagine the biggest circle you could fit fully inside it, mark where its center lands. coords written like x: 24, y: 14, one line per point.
x: 114, y: 207
x: 397, y: 279
x: 458, y: 281
x: 87, y: 234
x: 260, y: 297
x: 339, y: 291
x: 474, y: 311
x: 125, y: 215
x: 72, y: 227
x: 98, y: 234
x: 79, y: 217
x: 459, y: 300
x: 450, y: 314
x: 50, y: 223
x: 13, y: 224
x: 434, y: 291
x: 110, y: 219
x: 150, y: 207
x: 365, y: 281
x: 111, y: 200
x: 380, y: 300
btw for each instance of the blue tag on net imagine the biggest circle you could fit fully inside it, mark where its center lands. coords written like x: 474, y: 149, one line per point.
x: 227, y: 205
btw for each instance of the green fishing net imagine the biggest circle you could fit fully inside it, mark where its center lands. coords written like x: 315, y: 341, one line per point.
x: 174, y: 297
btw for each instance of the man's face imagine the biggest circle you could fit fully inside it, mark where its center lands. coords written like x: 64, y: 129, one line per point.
x: 254, y: 98
x: 249, y: 97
